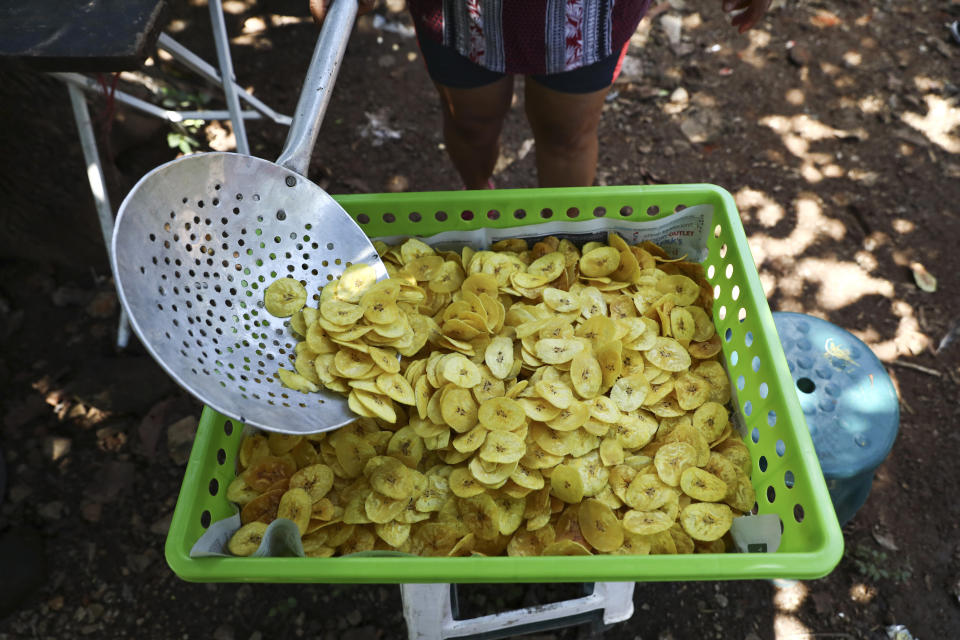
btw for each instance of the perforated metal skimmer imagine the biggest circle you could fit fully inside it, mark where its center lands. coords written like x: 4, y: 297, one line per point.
x: 198, y: 240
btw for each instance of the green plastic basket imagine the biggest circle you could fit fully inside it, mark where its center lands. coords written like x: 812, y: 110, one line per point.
x: 786, y: 473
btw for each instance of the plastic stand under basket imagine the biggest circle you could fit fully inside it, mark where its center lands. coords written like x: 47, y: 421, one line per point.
x: 849, y: 401
x: 430, y: 610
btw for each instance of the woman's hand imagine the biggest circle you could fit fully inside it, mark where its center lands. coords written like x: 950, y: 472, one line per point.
x: 318, y: 8
x: 750, y: 12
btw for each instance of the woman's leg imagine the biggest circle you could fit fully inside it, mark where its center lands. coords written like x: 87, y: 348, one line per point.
x: 565, y: 131
x: 472, y: 122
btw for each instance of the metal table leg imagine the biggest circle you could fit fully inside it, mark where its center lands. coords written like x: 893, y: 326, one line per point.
x: 98, y: 185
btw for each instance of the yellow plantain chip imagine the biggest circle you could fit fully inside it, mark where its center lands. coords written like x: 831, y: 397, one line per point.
x: 530, y: 543
x: 463, y: 484
x: 381, y: 509
x: 501, y: 414
x: 586, y: 375
x: 611, y: 452
x: 352, y: 453
x: 296, y: 505
x: 704, y: 328
x: 571, y: 418
x: 741, y: 495
x: 303, y: 364
x: 557, y: 350
x: 705, y: 521
x: 458, y: 409
x: 459, y: 370
x: 379, y: 405
x: 316, y: 480
x: 502, y: 447
x: 481, y: 283
x: 491, y: 474
x: 530, y: 479
x: 240, y: 492
x: 263, y: 508
x: 737, y: 452
x: 672, y: 459
x: 396, y: 387
x: 566, y: 483
x: 691, y: 390
x: 284, y: 297
x: 599, y: 262
x: 684, y: 290
x: 682, y: 324
x: 247, y: 539
x: 498, y: 357
x: 561, y: 301
x: 706, y: 349
x: 629, y: 392
x: 448, y: 279
x: 711, y: 418
x: 350, y: 363
x: 390, y: 477
x: 600, y: 526
x: 354, y: 281
x: 338, y: 312
x: 539, y: 409
x: 267, y: 471
x: 296, y: 382
x: 646, y: 522
x: 471, y: 440
x: 565, y: 547
x: 424, y: 268
x: 555, y: 392
x: 394, y: 534
x: 668, y: 354
x: 481, y: 515
x: 702, y: 485
x: 548, y: 267
x: 385, y: 358
x: 610, y: 357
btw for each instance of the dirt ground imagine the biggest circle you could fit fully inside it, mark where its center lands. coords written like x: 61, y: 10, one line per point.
x: 834, y: 125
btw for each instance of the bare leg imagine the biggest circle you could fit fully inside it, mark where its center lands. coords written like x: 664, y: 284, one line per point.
x: 565, y: 131
x: 472, y: 121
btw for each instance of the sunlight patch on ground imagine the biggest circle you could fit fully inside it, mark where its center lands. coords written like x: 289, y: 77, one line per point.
x: 862, y: 593
x: 754, y: 54
x: 841, y: 283
x: 787, y: 627
x: 811, y: 225
x: 277, y: 20
x: 233, y: 7
x: 835, y: 283
x: 798, y: 133
x: 942, y: 117
x: 790, y: 597
x: 764, y: 209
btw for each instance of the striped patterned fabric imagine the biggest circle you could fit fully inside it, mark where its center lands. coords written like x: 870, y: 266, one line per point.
x: 529, y: 36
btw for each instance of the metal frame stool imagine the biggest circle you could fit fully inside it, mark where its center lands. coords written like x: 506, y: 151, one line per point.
x: 430, y: 612
x: 233, y: 94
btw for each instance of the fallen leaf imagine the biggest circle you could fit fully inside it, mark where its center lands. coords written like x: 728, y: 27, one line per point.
x: 825, y: 18
x: 923, y: 278
x: 885, y: 540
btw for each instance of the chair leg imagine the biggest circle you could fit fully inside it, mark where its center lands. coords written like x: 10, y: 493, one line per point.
x: 226, y: 75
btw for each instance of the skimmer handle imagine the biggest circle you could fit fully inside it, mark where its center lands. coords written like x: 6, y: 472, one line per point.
x: 317, y: 86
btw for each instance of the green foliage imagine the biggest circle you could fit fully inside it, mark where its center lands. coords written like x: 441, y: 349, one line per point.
x: 184, y: 136
x: 876, y: 565
x: 283, y: 608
